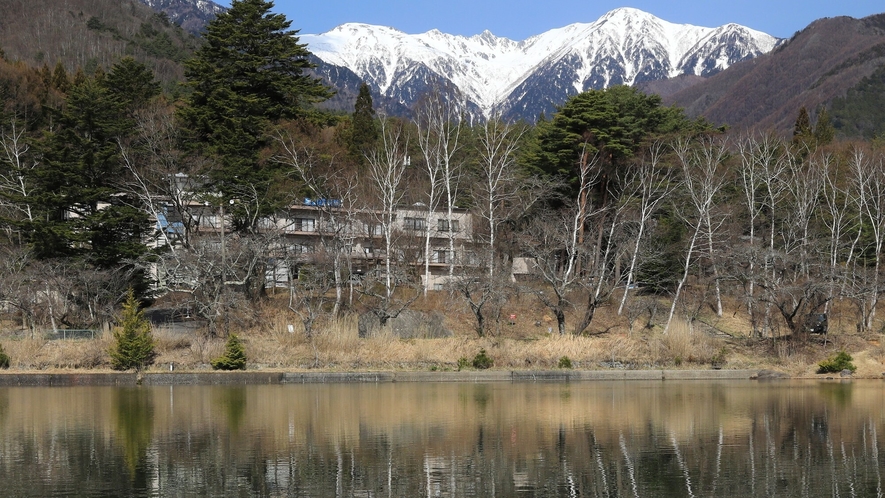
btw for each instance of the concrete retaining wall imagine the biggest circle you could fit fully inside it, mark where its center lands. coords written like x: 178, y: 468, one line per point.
x: 68, y: 379
x: 210, y: 378
x: 258, y: 377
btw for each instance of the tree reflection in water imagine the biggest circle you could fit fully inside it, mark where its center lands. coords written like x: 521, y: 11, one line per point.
x: 134, y: 417
x: 581, y: 439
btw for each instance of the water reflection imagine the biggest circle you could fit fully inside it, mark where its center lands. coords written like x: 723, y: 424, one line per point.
x: 620, y: 439
x: 134, y: 425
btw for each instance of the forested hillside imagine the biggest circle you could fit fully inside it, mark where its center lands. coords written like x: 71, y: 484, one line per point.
x: 817, y: 65
x: 93, y: 33
x: 861, y: 112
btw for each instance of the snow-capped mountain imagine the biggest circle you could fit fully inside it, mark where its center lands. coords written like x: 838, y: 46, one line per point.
x: 521, y: 79
x: 192, y: 15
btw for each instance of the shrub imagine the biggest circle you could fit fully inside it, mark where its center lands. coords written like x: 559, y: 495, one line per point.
x: 836, y: 363
x: 133, y: 345
x: 4, y: 358
x: 718, y: 359
x: 482, y: 361
x: 234, y: 357
x: 565, y: 362
x: 463, y: 363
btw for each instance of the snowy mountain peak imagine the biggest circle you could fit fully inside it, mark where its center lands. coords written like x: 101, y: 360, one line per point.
x: 497, y: 75
x: 625, y: 16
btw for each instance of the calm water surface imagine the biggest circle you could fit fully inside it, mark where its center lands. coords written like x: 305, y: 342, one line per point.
x: 606, y: 439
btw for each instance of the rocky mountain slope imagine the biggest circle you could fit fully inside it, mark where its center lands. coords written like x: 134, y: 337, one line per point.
x: 817, y: 65
x: 192, y: 15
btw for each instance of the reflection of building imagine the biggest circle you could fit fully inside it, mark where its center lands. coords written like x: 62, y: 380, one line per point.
x: 316, y: 229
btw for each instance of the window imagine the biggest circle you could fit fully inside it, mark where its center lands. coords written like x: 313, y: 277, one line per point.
x: 209, y: 221
x: 304, y: 225
x: 266, y: 224
x: 375, y: 229
x: 414, y: 223
x: 438, y: 287
x: 444, y: 257
x: 444, y: 225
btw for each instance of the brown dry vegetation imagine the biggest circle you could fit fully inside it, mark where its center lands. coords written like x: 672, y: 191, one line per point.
x: 815, y: 66
x: 525, y: 344
x: 92, y: 33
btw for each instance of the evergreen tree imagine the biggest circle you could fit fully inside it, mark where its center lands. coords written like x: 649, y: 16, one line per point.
x: 802, y: 131
x: 132, y: 84
x: 611, y: 123
x: 824, y: 132
x: 364, y: 130
x: 81, y: 211
x: 234, y: 357
x: 46, y: 76
x: 133, y: 342
x: 249, y: 74
x: 79, y: 77
x: 60, y: 79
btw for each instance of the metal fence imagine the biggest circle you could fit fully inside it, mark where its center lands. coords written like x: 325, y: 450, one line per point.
x: 63, y: 334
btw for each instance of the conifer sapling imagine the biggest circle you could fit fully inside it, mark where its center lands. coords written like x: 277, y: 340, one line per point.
x: 234, y: 357
x: 133, y: 341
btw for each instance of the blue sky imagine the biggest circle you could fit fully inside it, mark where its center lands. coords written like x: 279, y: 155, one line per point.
x: 519, y: 19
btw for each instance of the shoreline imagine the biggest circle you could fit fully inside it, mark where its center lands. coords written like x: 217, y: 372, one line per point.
x: 34, y: 379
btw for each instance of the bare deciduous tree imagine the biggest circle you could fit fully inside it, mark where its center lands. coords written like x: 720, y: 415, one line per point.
x: 554, y: 243
x: 440, y: 133
x: 16, y: 162
x: 162, y: 178
x: 868, y: 178
x: 703, y: 177
x: 804, y: 187
x: 309, y: 294
x: 836, y: 218
x: 387, y: 167
x: 336, y: 190
x: 646, y: 186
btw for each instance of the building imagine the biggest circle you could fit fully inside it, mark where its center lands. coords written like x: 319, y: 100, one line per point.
x: 325, y: 229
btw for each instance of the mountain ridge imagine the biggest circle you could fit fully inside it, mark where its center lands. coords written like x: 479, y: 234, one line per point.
x: 191, y: 15
x: 500, y: 76
x: 817, y: 65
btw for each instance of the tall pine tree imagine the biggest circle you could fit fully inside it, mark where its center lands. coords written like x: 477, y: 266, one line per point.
x: 132, y: 84
x: 364, y: 130
x: 81, y: 210
x: 248, y: 75
x: 824, y: 132
x: 802, y: 130
x: 611, y: 124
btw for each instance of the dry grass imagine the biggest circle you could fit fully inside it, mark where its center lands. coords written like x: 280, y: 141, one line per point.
x: 610, y: 342
x: 685, y: 344
x: 39, y: 354
x: 877, y: 351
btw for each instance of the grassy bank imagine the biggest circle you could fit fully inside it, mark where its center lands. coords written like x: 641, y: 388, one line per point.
x: 523, y: 344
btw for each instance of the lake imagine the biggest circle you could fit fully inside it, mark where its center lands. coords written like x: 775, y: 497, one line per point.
x: 579, y: 439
